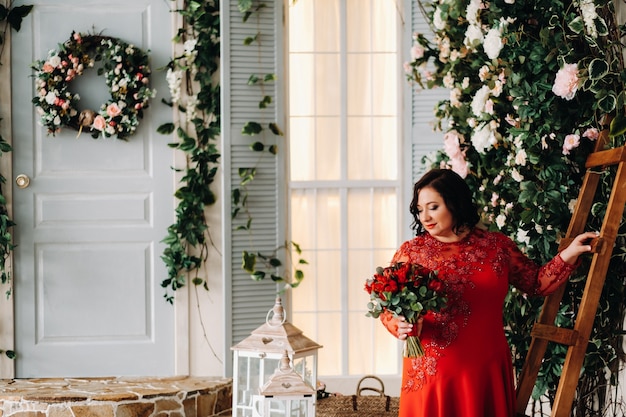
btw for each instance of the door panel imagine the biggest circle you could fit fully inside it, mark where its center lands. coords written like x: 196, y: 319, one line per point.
x: 89, y: 225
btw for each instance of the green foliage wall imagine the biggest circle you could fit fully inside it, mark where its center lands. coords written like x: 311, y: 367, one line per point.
x: 530, y: 84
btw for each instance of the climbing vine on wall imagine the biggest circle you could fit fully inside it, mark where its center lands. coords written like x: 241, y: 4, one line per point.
x: 195, y: 97
x: 10, y: 18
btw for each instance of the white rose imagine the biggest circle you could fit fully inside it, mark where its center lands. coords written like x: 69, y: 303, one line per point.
x: 473, y: 36
x: 55, y: 61
x: 190, y: 46
x: 483, y: 138
x: 438, y: 21
x: 501, y: 221
x: 522, y: 236
x: 521, y: 157
x: 480, y: 99
x: 572, y: 205
x: 517, y: 176
x: 493, y: 43
x: 51, y: 97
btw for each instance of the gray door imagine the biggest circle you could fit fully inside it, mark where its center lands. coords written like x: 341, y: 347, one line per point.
x: 89, y: 225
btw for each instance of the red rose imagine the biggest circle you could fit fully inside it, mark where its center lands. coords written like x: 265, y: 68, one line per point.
x: 435, y: 285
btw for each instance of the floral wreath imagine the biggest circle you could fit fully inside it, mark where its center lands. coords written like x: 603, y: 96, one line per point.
x: 127, y: 75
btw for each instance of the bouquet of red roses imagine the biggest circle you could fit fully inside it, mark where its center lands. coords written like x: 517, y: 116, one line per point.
x: 408, y: 290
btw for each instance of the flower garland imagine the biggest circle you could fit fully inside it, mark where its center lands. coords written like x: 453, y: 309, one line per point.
x: 127, y: 75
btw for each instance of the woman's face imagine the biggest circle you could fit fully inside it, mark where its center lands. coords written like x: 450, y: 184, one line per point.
x: 435, y: 216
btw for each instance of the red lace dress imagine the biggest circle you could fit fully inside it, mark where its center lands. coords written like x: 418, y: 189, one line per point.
x: 467, y: 370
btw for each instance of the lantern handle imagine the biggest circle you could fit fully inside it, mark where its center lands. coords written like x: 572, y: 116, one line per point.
x: 278, y: 318
x: 271, y: 322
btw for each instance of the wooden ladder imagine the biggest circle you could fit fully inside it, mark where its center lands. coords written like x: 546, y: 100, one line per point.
x: 576, y: 339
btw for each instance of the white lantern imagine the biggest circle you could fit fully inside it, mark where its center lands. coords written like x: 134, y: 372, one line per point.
x: 286, y: 394
x: 256, y: 357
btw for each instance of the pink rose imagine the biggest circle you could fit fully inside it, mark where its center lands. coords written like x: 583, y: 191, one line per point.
x: 591, y: 133
x: 113, y: 110
x: 459, y: 165
x: 566, y: 82
x: 571, y: 141
x: 99, y: 123
x: 47, y: 67
x: 451, y: 144
x: 417, y: 52
x: 511, y: 120
x: 494, y: 199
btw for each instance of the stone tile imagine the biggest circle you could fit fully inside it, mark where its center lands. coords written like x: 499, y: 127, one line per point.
x: 224, y: 399
x: 115, y: 396
x: 155, y: 392
x: 59, y: 411
x: 189, y: 406
x: 205, y: 404
x: 94, y: 410
x: 135, y: 410
x: 49, y: 395
x: 167, y: 404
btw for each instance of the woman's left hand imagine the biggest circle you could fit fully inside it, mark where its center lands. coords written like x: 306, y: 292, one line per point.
x: 579, y: 245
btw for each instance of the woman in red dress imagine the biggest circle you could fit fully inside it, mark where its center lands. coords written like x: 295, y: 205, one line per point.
x: 466, y: 370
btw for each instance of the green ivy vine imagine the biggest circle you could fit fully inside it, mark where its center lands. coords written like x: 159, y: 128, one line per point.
x: 261, y: 265
x: 197, y: 127
x: 10, y: 18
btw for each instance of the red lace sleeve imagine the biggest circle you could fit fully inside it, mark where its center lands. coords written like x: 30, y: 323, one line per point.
x: 533, y: 279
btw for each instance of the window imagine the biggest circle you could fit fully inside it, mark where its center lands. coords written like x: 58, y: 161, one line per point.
x: 345, y: 78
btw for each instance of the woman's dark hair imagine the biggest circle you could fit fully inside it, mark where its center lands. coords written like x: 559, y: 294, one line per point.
x: 456, y: 195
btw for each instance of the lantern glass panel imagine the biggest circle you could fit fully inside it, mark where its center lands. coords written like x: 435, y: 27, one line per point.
x: 289, y: 408
x: 304, y: 366
x: 252, y: 373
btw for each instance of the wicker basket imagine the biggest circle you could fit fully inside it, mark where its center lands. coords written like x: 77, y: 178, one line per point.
x: 359, y: 405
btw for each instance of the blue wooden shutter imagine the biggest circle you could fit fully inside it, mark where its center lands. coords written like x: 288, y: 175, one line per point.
x: 247, y: 302
x: 423, y: 139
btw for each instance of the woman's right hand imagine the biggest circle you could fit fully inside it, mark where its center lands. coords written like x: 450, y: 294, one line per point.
x: 398, y: 326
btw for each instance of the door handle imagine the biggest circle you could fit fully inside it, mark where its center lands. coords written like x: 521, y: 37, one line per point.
x: 22, y: 181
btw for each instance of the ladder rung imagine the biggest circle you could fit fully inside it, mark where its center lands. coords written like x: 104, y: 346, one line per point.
x: 552, y: 333
x: 608, y: 157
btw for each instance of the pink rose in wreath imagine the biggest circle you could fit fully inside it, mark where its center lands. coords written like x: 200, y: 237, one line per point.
x: 99, y: 123
x: 113, y: 110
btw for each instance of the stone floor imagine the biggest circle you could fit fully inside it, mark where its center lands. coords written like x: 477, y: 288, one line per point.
x: 116, y: 397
